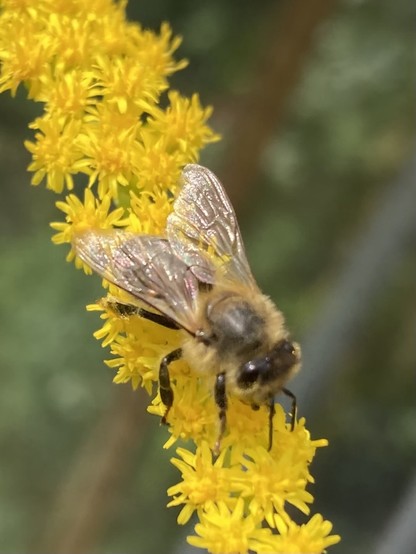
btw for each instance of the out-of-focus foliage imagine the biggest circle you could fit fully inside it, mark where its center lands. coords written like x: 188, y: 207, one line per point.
x: 347, y: 132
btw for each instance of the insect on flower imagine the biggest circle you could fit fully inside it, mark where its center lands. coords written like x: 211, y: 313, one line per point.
x: 197, y: 280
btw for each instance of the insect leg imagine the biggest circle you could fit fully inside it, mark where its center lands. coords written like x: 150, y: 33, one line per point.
x: 221, y: 402
x: 157, y: 318
x: 126, y: 310
x: 294, y: 407
x: 166, y: 392
x: 272, y: 411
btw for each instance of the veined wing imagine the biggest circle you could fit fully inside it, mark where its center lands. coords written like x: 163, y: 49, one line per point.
x: 145, y: 267
x: 203, y: 229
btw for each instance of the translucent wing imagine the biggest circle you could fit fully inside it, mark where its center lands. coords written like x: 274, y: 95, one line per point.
x: 144, y: 266
x: 203, y: 229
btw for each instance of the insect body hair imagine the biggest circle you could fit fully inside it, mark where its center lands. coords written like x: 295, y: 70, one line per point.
x: 236, y: 325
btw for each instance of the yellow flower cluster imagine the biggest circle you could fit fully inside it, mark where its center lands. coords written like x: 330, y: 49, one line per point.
x: 103, y: 129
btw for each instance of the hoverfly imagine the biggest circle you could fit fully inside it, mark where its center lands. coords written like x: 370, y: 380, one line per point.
x: 197, y: 279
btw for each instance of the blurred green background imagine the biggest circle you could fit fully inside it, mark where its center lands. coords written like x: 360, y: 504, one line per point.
x: 315, y: 101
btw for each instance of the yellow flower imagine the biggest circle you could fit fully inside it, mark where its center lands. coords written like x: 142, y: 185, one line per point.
x: 156, y: 51
x: 269, y: 482
x: 205, y: 481
x: 160, y: 167
x: 19, y: 36
x: 192, y: 415
x: 126, y: 83
x: 184, y: 124
x: 114, y: 324
x: 225, y: 530
x: 312, y: 537
x: 148, y: 212
x: 136, y: 363
x: 81, y: 31
x: 55, y: 155
x: 101, y: 80
x: 137, y: 343
x: 90, y: 214
x: 67, y: 95
x: 110, y: 153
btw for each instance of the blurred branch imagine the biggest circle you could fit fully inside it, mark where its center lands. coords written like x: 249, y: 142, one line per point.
x: 289, y: 34
x: 400, y: 533
x: 78, y: 518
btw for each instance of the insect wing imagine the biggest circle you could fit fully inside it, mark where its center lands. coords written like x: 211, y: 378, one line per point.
x: 145, y: 267
x: 203, y: 229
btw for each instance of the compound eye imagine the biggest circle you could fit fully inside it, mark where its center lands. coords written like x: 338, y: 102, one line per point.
x: 249, y: 373
x: 253, y: 371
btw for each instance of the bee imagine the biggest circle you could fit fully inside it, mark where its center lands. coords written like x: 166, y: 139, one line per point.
x: 197, y: 279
